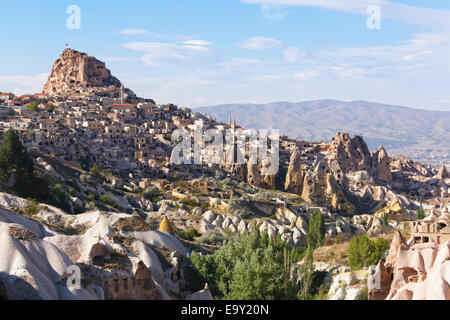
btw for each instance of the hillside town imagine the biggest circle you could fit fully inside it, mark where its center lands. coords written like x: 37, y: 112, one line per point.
x: 131, y: 219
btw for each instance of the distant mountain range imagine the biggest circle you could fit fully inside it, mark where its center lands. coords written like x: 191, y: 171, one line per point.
x: 420, y: 134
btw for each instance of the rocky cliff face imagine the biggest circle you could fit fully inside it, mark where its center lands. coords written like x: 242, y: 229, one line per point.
x: 74, y: 72
x: 381, y: 170
x: 321, y: 188
x: 294, y: 176
x: 352, y: 154
x: 413, y: 271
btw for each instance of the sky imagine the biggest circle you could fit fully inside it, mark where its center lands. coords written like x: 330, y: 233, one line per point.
x: 207, y: 52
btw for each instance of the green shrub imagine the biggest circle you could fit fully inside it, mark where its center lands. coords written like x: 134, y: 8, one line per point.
x: 385, y: 219
x: 363, y: 294
x: 96, y: 172
x: 316, y: 231
x: 212, y: 237
x: 31, y: 208
x: 190, y: 202
x: 363, y: 252
x: 219, y: 175
x: 153, y: 224
x: 420, y: 214
x: 58, y: 191
x: 253, y: 268
x: 33, y: 106
x: 107, y: 200
x: 15, y: 161
x: 151, y: 193
x: 188, y: 235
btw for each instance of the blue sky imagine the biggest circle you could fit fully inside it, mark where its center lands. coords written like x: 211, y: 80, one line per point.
x: 206, y: 52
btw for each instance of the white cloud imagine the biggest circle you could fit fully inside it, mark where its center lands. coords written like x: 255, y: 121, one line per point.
x: 260, y: 43
x: 118, y: 59
x: 293, y: 54
x: 389, y: 10
x: 20, y: 84
x: 137, y: 32
x: 273, y: 12
x: 132, y: 32
x: 159, y: 53
x: 424, y: 51
x: 198, y: 42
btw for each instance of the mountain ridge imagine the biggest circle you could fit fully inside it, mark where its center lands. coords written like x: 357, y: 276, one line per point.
x: 403, y: 130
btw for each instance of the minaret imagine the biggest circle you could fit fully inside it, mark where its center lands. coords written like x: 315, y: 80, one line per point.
x: 235, y: 144
x: 121, y: 93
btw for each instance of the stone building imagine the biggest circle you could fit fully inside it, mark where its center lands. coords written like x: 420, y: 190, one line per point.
x: 436, y: 230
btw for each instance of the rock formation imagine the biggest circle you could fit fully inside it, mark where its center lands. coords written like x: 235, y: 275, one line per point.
x: 352, y: 154
x: 348, y: 155
x: 321, y: 188
x: 443, y: 173
x: 253, y: 175
x: 108, y: 269
x: 381, y: 170
x: 294, y: 176
x: 203, y: 295
x: 394, y: 211
x: 74, y: 72
x: 166, y: 226
x: 417, y: 269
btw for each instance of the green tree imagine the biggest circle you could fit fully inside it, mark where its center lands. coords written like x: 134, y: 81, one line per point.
x: 253, y: 268
x: 363, y: 252
x: 96, y: 171
x: 306, y: 274
x: 359, y: 251
x: 17, y: 166
x: 13, y: 156
x: 385, y: 219
x: 316, y: 231
x: 420, y: 213
x: 381, y: 246
x: 151, y: 193
x: 31, y: 208
x: 33, y: 106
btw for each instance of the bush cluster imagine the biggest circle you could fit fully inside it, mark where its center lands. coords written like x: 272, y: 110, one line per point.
x: 363, y: 252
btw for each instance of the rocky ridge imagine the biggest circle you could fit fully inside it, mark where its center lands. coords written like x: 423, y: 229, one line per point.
x: 75, y: 72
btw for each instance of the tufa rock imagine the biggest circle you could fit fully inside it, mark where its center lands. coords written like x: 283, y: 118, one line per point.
x: 381, y: 169
x: 443, y: 173
x: 253, y: 175
x: 352, y: 154
x: 294, y: 176
x: 321, y: 188
x: 74, y: 72
x: 166, y: 226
